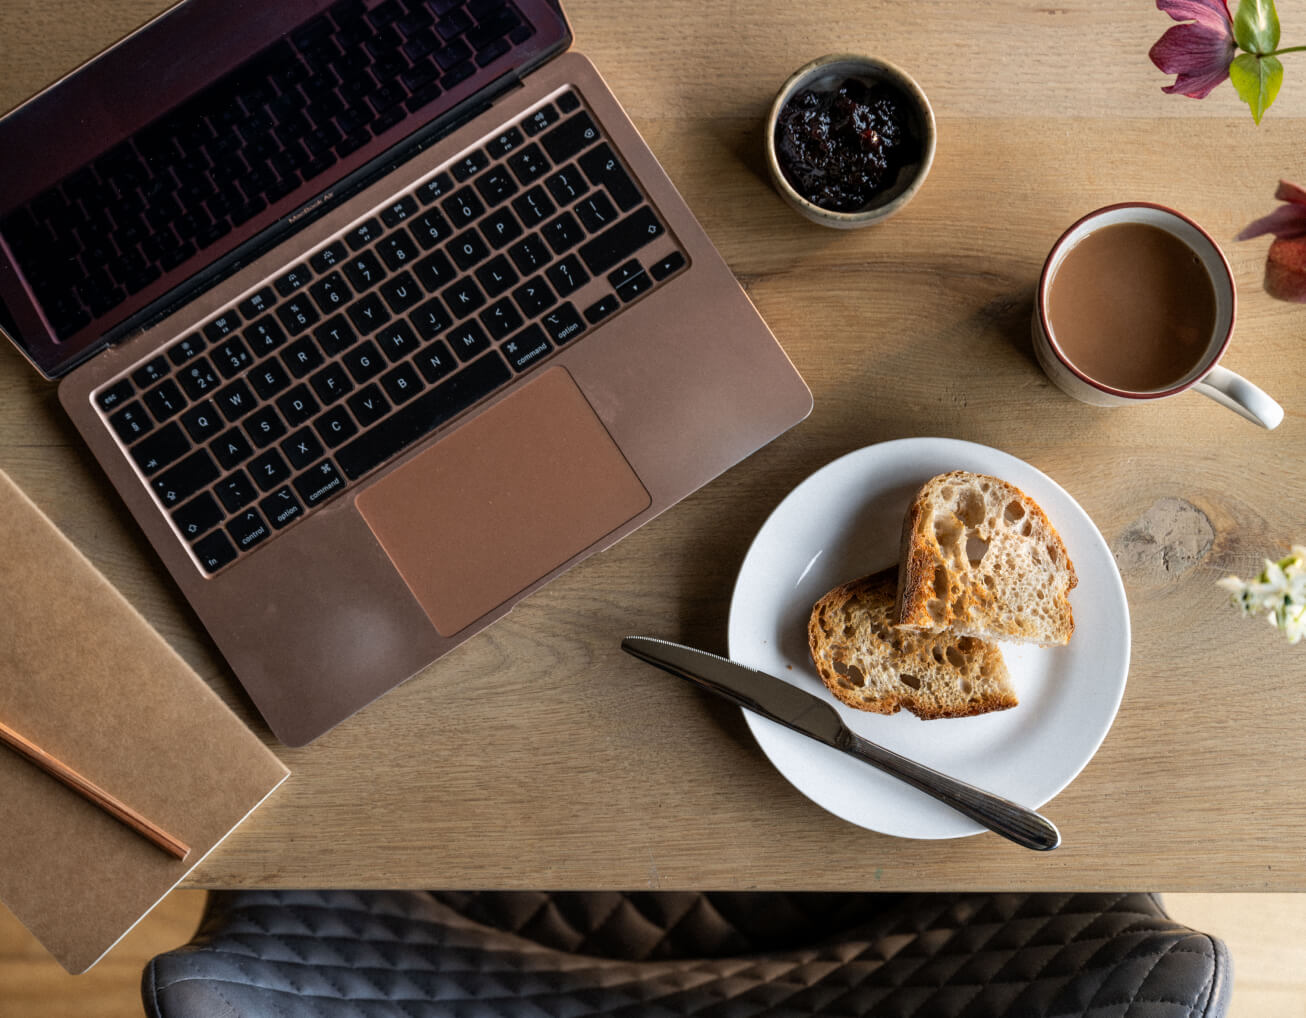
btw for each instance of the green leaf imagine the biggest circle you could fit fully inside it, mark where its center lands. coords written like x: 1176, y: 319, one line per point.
x: 1257, y: 80
x: 1256, y: 26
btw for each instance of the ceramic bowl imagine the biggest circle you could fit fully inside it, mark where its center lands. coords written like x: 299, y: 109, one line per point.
x: 826, y: 73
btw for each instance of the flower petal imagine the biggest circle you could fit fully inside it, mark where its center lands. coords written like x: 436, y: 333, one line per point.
x: 1210, y: 13
x: 1285, y: 271
x: 1285, y: 222
x: 1290, y: 192
x: 1198, y: 56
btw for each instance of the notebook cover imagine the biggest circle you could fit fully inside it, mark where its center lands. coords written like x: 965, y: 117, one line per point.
x: 86, y: 678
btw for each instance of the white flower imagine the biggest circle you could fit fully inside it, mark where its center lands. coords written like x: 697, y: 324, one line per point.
x: 1278, y: 593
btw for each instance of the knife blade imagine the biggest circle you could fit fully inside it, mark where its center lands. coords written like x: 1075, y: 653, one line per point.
x: 809, y: 715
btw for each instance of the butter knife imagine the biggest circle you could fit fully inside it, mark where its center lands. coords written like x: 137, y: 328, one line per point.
x: 809, y: 715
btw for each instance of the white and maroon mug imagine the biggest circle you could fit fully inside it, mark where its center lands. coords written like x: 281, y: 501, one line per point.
x: 1207, y: 376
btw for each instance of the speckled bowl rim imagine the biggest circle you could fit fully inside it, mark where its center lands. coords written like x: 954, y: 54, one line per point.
x: 875, y: 67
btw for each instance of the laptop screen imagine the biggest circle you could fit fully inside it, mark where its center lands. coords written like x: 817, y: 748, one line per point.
x: 195, y: 143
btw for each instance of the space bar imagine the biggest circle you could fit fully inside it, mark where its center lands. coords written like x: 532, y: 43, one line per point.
x: 422, y: 416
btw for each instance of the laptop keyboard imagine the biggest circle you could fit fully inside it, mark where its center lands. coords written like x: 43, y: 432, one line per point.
x: 185, y: 181
x: 409, y: 317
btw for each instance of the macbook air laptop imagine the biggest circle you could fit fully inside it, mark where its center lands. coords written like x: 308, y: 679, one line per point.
x: 378, y: 314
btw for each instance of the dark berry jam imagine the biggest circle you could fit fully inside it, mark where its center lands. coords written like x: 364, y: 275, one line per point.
x: 840, y: 149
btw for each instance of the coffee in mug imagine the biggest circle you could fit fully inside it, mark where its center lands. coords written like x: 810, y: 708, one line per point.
x: 1137, y: 302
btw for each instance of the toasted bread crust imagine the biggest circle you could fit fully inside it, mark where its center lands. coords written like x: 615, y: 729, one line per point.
x: 868, y: 664
x: 981, y: 558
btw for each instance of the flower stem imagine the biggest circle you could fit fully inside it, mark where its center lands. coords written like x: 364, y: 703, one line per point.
x: 1285, y: 49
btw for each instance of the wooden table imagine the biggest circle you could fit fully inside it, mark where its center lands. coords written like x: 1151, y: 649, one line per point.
x: 538, y: 755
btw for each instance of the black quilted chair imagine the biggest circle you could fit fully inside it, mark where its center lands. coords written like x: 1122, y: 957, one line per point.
x: 413, y: 954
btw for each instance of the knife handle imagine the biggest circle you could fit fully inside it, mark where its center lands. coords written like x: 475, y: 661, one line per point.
x: 1002, y: 816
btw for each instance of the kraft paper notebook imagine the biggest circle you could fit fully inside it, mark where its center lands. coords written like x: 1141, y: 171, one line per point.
x: 86, y: 678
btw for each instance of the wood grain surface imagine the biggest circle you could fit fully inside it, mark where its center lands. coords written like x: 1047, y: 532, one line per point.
x: 538, y: 755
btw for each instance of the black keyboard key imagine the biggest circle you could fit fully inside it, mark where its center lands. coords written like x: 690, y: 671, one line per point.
x: 298, y: 314
x: 335, y: 335
x: 289, y: 282
x: 202, y: 422
x: 302, y: 356
x: 331, y: 293
x: 530, y: 254
x: 501, y: 228
x: 187, y: 349
x: 540, y: 120
x: 156, y: 451
x: 264, y: 336
x: 185, y: 478
x: 269, y: 470
x: 463, y: 207
x: 397, y: 211
x: 600, y: 309
x: 215, y: 551
x: 231, y: 358
x: 431, y: 228
x: 402, y: 384
x: 469, y: 341
x: 335, y: 426
x: 331, y: 383
x: 431, y: 319
x: 368, y: 405
x: 567, y: 276
x: 397, y: 341
x: 319, y: 483
x: 468, y: 249
x: 668, y: 265
x: 364, y: 362
x: 368, y: 314
x: 401, y: 292
x: 329, y: 257
x: 496, y: 275
x: 501, y: 318
x: 235, y: 401
x: 563, y: 233
x: 604, y: 170
x: 529, y: 164
x: 257, y: 303
x: 232, y: 448
x: 527, y: 347
x: 423, y: 415
x: 533, y: 296
x: 397, y: 250
x: 235, y: 491
x: 248, y: 529
x: 596, y: 211
x: 222, y: 326
x: 566, y: 185
x: 198, y: 516
x: 506, y: 142
x: 434, y: 362
x: 364, y: 271
x: 268, y: 379
x: 264, y: 426
x: 563, y: 324
x: 297, y: 405
x: 568, y: 102
x: 198, y: 379
x: 463, y: 298
x: 470, y: 165
x: 569, y: 137
x: 165, y: 400
x: 534, y: 206
x: 435, y: 270
x: 150, y: 372
x: 302, y: 448
x: 281, y: 507
x: 115, y: 395
x: 437, y: 187
x: 363, y: 234
x: 496, y: 186
x: 619, y: 242
x: 634, y: 286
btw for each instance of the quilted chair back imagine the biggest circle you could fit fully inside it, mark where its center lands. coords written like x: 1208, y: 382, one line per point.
x: 413, y: 954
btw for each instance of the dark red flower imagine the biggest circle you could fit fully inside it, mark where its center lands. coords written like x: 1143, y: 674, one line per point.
x: 1199, y: 51
x: 1285, y: 263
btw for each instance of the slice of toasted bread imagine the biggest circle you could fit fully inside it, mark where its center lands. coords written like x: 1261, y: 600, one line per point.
x: 980, y: 558
x: 870, y: 665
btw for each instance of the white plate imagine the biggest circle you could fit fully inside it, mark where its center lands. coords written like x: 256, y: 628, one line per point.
x: 844, y: 522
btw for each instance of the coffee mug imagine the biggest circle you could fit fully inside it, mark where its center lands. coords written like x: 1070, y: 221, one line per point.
x: 1136, y: 302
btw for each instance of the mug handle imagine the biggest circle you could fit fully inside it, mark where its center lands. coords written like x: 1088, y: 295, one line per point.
x: 1231, y: 390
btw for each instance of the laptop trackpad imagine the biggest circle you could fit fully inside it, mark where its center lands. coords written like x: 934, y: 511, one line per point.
x: 502, y: 501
